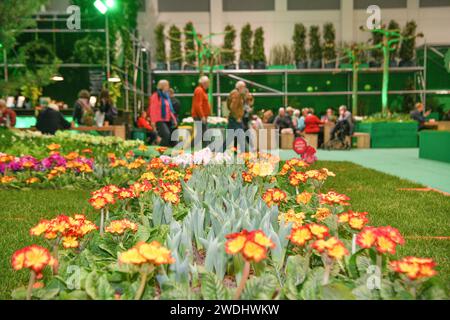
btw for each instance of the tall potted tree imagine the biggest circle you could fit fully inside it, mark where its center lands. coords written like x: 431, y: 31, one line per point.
x: 299, y: 39
x: 176, y: 56
x: 315, y: 48
x: 228, y: 53
x: 259, y: 56
x: 376, y: 54
x: 408, y: 46
x: 393, y: 25
x: 160, y: 51
x: 329, y: 45
x: 245, y: 56
x: 189, y: 46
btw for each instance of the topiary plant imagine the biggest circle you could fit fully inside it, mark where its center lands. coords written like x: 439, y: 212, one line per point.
x: 315, y: 47
x: 281, y: 54
x: 160, y: 40
x: 259, y: 56
x: 329, y: 47
x: 245, y: 56
x: 299, y: 39
x: 376, y: 54
x: 408, y: 46
x: 189, y: 45
x: 228, y: 54
x: 394, y: 26
x: 176, y: 56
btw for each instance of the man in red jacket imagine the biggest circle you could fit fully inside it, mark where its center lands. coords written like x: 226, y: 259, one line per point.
x: 201, y: 109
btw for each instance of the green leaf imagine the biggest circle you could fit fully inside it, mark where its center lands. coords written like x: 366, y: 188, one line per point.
x: 74, y: 295
x: 336, y: 291
x: 212, y: 288
x: 91, y: 285
x: 295, y: 276
x: 310, y: 288
x: 104, y: 289
x: 260, y: 288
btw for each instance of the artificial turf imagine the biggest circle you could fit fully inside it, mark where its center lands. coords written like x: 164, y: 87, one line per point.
x: 415, y: 214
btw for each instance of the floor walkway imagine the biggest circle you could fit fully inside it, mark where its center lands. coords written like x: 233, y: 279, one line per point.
x: 403, y: 163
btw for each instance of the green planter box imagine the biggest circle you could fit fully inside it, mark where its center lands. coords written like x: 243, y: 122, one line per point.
x: 435, y: 145
x: 390, y: 134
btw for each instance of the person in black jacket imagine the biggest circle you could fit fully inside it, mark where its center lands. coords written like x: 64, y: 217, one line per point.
x: 419, y: 115
x: 107, y: 107
x: 50, y: 120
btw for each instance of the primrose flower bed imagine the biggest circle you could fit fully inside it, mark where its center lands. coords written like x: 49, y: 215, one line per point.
x: 191, y: 227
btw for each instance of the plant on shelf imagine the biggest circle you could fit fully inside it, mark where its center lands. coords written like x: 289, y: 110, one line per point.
x: 259, y: 56
x: 299, y: 39
x: 189, y: 46
x: 160, y: 54
x: 89, y: 49
x: 245, y: 57
x: 329, y: 45
x: 393, y: 26
x: 176, y: 57
x: 281, y: 55
x: 408, y: 45
x: 315, y: 48
x: 228, y: 55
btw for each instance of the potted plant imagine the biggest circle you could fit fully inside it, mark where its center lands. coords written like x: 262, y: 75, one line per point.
x: 393, y: 25
x: 259, y: 56
x: 408, y: 46
x: 160, y: 52
x: 176, y: 57
x: 228, y: 54
x: 299, y: 39
x: 315, y: 48
x: 245, y: 56
x: 189, y: 46
x: 281, y: 57
x: 376, y: 54
x: 329, y: 46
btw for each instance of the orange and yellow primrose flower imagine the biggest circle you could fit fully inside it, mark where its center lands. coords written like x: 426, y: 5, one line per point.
x: 414, y: 268
x: 53, y: 146
x: 153, y: 253
x: 98, y: 202
x: 356, y: 220
x: 333, y: 198
x: 384, y: 239
x: 332, y: 247
x: 33, y: 257
x: 303, y: 198
x: 274, y: 196
x: 252, y: 245
x: 120, y: 226
x: 292, y: 217
x: 299, y: 236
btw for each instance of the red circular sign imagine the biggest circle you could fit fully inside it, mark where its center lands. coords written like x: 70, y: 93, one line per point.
x: 300, y: 145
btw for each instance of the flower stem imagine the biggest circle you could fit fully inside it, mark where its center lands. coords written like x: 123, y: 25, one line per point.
x: 141, y: 288
x: 31, y: 284
x: 244, y: 278
x: 55, y: 256
x: 101, y: 222
x: 326, y: 274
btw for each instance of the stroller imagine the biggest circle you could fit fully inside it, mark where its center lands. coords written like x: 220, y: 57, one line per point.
x: 341, y: 137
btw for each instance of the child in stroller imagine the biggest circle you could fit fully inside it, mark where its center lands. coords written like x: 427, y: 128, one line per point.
x: 340, y: 137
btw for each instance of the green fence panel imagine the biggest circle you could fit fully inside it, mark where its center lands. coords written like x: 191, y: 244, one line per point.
x: 435, y: 145
x: 390, y: 134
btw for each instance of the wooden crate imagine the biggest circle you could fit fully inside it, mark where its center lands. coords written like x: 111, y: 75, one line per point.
x: 312, y: 139
x: 362, y: 140
x: 287, y: 141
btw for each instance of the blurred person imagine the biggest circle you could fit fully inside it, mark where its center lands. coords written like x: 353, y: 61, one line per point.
x: 161, y: 112
x: 83, y: 112
x: 301, y: 120
x: 283, y: 120
x: 106, y: 107
x: 312, y: 125
x: 267, y: 116
x: 144, y: 123
x: 50, y: 120
x: 419, y: 115
x: 329, y: 116
x: 7, y: 116
x: 201, y: 109
x: 345, y: 120
x: 175, y: 104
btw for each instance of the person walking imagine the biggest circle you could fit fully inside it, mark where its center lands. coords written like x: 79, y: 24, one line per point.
x: 161, y: 112
x: 7, y: 116
x: 201, y: 110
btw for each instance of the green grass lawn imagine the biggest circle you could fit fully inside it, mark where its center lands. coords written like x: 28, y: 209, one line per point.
x: 413, y: 213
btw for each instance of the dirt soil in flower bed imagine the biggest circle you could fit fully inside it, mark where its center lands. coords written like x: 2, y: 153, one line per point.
x: 420, y: 216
